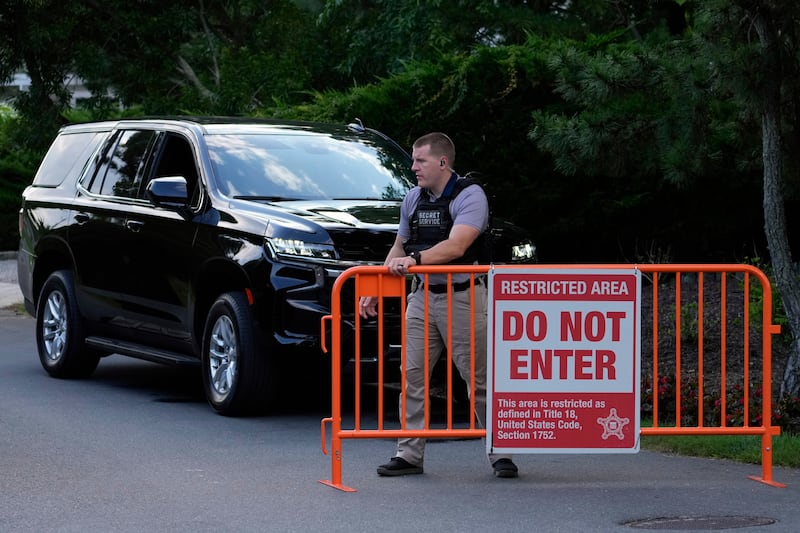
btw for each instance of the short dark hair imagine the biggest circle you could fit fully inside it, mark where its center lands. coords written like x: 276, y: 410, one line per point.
x: 440, y: 145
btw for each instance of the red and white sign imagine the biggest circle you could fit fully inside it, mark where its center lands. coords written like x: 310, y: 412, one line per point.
x: 564, y: 360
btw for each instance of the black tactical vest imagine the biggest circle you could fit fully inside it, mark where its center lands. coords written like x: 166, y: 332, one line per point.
x: 430, y: 223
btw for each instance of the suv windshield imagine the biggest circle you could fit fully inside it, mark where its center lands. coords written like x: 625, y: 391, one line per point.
x: 308, y: 166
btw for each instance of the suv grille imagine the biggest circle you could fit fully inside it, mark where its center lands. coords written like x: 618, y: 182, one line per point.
x: 363, y: 246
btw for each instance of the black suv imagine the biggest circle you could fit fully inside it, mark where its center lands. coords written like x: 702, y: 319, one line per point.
x: 205, y: 241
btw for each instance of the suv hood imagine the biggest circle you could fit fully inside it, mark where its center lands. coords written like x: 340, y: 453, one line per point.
x: 349, y: 212
x: 311, y: 215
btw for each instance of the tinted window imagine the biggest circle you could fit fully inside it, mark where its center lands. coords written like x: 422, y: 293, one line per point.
x: 176, y: 158
x: 308, y: 166
x: 126, y: 165
x: 67, y: 156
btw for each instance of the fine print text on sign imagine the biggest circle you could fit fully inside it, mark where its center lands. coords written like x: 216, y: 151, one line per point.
x: 564, y: 360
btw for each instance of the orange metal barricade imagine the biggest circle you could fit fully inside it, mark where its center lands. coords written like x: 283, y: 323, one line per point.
x: 682, y: 339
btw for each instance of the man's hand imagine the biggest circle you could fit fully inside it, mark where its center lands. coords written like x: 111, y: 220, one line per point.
x: 367, y: 307
x: 398, y: 266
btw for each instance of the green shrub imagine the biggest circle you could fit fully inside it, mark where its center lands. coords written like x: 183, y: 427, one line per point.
x: 17, y: 167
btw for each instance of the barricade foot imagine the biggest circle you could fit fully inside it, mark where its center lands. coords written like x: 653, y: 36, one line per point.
x: 768, y: 482
x: 340, y: 487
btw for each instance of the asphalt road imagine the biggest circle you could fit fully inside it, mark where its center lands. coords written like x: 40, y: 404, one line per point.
x: 136, y: 448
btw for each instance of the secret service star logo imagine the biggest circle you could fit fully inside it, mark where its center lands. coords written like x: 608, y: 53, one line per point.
x: 612, y: 425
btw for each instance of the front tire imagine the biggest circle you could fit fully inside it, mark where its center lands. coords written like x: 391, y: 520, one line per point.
x: 60, y: 333
x: 235, y: 376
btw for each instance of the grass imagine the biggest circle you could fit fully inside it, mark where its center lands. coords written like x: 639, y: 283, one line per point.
x: 17, y: 309
x: 742, y: 448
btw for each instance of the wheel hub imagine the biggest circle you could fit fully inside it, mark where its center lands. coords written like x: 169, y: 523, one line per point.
x: 54, y: 326
x: 223, y: 356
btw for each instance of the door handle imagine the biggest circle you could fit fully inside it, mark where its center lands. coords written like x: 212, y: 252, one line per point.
x: 82, y: 218
x: 134, y: 225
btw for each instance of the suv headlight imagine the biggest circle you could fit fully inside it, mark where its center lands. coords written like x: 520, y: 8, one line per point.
x: 523, y: 252
x: 298, y: 248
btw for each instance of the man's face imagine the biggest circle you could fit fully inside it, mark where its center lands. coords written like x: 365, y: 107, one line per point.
x: 431, y: 174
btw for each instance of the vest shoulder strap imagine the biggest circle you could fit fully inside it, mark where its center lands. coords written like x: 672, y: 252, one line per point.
x: 460, y: 185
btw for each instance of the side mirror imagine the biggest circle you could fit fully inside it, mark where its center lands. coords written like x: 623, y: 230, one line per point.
x: 169, y: 192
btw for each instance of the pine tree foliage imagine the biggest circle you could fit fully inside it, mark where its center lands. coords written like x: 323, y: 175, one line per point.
x: 673, y: 109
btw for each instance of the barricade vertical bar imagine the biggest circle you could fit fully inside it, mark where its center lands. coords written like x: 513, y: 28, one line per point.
x: 724, y: 350
x: 700, y: 375
x: 380, y: 348
x: 426, y: 360
x: 357, y: 354
x: 678, y: 348
x: 746, y: 348
x: 655, y: 350
x: 380, y: 370
x: 336, y: 393
x: 768, y: 329
x: 404, y: 353
x: 449, y: 372
x: 473, y: 352
x: 336, y: 405
x: 404, y: 360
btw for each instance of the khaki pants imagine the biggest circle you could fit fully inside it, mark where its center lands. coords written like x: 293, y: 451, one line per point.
x: 413, y: 449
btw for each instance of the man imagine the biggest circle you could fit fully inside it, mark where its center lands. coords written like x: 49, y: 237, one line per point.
x: 440, y: 222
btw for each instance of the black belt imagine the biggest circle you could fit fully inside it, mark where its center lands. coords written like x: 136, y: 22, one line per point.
x: 457, y: 287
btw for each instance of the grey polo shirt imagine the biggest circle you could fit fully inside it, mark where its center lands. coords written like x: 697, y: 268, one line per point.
x: 470, y: 207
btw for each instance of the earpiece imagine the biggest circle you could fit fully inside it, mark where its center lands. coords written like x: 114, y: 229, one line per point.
x: 441, y: 163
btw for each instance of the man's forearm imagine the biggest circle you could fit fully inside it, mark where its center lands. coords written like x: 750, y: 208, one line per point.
x: 395, y: 251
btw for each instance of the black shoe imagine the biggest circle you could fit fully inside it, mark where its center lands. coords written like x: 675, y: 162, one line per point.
x: 398, y: 466
x: 505, y: 468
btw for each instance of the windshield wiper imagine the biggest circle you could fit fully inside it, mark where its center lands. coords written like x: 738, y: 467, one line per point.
x: 264, y: 198
x: 356, y: 198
